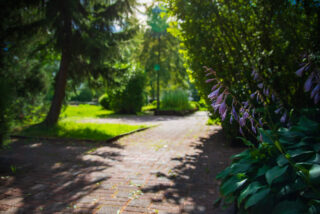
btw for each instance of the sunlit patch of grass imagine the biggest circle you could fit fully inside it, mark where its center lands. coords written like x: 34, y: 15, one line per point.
x: 83, y: 111
x: 215, y: 121
x: 80, y: 131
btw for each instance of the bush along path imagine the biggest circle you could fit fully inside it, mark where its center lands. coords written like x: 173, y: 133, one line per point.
x: 169, y: 168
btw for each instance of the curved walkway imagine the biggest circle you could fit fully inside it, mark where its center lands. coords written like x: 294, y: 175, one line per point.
x: 169, y: 168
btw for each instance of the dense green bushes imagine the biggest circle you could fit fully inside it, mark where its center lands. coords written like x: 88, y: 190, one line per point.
x: 104, y: 101
x: 176, y: 100
x: 280, y: 175
x: 238, y: 37
x: 131, y: 99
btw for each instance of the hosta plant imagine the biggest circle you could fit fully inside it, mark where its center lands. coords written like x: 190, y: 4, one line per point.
x: 280, y: 175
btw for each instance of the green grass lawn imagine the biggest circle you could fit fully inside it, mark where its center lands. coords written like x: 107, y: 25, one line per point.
x: 84, y: 111
x: 70, y: 125
x: 80, y: 131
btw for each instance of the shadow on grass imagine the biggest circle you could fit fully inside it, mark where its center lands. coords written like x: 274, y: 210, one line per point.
x: 194, y: 184
x: 80, y: 131
x: 53, y: 177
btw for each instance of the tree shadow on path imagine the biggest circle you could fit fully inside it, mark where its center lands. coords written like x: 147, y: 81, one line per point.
x: 49, y: 177
x: 194, y: 186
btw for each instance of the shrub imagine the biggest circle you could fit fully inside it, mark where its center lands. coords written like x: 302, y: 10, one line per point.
x: 176, y: 100
x: 5, y: 117
x: 85, y: 95
x: 104, y: 101
x: 282, y: 173
x: 131, y: 99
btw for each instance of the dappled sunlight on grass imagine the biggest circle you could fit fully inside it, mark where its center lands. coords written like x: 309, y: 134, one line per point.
x: 83, y: 131
x: 83, y: 111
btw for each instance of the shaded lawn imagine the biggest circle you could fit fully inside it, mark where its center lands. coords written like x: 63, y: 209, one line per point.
x: 81, y: 131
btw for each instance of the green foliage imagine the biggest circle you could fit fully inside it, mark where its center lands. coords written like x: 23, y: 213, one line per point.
x: 104, y: 101
x: 215, y: 121
x: 131, y: 99
x: 4, y: 116
x: 85, y: 95
x: 235, y: 37
x: 281, y: 174
x: 160, y: 54
x: 176, y: 100
x: 80, y: 131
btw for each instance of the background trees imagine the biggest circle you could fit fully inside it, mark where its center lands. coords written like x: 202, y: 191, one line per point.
x: 160, y: 54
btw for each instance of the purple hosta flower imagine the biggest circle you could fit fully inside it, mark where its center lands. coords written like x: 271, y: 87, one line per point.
x: 277, y: 111
x: 245, y: 115
x: 245, y: 104
x: 241, y: 132
x: 252, y: 126
x: 266, y: 91
x: 242, y: 121
x: 210, y: 80
x: 300, y: 71
x: 223, y: 116
x: 253, y: 95
x: 222, y: 108
x: 283, y: 118
x: 308, y: 83
x: 273, y: 97
x: 220, y: 98
x: 315, y: 90
x: 260, y: 122
x: 316, y: 98
x: 260, y: 85
x: 255, y: 75
x: 214, y: 94
x: 261, y: 138
x: 234, y: 113
x: 231, y: 119
x: 215, y: 106
x: 214, y: 87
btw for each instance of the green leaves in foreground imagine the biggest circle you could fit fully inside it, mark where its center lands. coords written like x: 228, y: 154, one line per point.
x: 274, y: 173
x: 282, y: 177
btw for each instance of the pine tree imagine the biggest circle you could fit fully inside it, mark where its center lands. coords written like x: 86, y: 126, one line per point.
x: 85, y: 35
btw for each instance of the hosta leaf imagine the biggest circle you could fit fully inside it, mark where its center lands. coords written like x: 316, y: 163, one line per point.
x: 315, y: 159
x: 246, y: 153
x: 316, y: 147
x: 298, y: 145
x: 224, y: 173
x: 266, y: 136
x: 250, y: 189
x: 282, y: 160
x: 246, y: 142
x: 240, y: 167
x: 262, y: 170
x: 290, y: 207
x: 314, y: 173
x: 307, y: 125
x: 274, y: 173
x: 231, y: 185
x: 299, y: 152
x: 257, y: 197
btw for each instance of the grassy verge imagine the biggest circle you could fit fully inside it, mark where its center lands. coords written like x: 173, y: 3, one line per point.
x: 85, y: 111
x: 80, y: 131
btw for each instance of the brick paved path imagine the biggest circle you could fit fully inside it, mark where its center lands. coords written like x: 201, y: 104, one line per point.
x: 166, y: 169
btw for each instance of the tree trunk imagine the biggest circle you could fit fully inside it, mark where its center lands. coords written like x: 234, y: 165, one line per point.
x: 61, y: 77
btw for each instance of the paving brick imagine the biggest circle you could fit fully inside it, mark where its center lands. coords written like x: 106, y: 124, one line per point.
x: 167, y: 169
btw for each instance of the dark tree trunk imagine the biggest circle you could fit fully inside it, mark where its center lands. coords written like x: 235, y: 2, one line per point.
x: 61, y: 77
